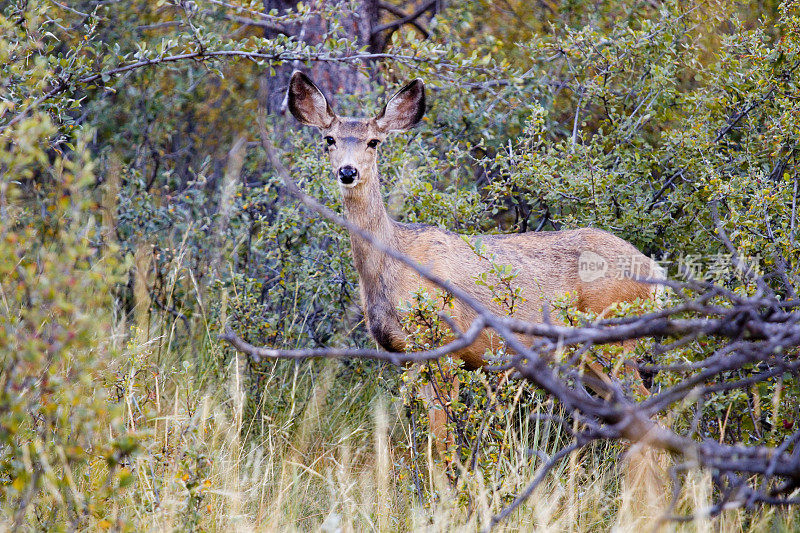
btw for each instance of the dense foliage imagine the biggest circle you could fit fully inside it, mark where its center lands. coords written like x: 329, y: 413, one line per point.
x: 139, y: 214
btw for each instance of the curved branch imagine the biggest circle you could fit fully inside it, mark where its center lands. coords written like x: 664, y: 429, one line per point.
x: 244, y: 21
x: 524, y: 495
x: 760, y: 328
x: 204, y: 55
x: 404, y: 19
x: 257, y: 354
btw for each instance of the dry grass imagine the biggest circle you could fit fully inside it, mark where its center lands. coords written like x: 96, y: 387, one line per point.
x: 324, y: 454
x: 315, y: 452
x: 338, y: 463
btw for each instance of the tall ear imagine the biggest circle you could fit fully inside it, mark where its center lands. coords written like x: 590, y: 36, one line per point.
x: 307, y: 103
x: 404, y: 110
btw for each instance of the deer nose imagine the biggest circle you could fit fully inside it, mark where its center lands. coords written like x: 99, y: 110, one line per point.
x: 347, y: 174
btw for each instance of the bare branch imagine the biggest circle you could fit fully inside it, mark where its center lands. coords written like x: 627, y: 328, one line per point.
x: 70, y: 9
x: 757, y: 330
x: 258, y: 354
x: 244, y: 21
x: 405, y: 19
x: 524, y: 495
x: 205, y: 55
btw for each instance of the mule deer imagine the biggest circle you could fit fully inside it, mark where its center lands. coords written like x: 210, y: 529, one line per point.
x: 593, y: 265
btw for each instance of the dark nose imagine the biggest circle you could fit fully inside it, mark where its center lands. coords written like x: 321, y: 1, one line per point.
x: 347, y: 174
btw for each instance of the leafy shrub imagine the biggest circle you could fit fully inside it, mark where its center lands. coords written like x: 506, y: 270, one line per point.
x: 132, y: 192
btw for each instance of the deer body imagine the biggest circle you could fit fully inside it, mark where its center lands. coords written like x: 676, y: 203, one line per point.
x: 548, y: 264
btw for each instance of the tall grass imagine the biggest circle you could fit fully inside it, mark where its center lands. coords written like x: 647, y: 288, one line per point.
x: 330, y: 446
x: 335, y: 455
x: 322, y: 446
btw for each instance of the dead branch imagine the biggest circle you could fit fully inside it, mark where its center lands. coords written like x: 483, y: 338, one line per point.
x: 406, y: 19
x: 396, y: 11
x: 64, y: 84
x: 760, y: 332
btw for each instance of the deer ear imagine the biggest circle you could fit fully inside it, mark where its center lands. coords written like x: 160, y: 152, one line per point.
x: 404, y: 110
x: 307, y: 103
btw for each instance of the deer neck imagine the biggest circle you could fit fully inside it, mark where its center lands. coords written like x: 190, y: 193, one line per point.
x: 364, y: 208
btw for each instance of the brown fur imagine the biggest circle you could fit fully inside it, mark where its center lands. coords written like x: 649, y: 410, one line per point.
x: 547, y: 263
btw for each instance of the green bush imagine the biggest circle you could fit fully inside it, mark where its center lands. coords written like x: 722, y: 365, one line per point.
x: 133, y: 191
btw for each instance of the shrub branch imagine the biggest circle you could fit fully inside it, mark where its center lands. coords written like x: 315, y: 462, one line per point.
x: 757, y: 330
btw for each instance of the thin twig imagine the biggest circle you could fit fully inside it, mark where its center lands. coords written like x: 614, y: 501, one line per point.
x: 525, y: 494
x: 406, y: 19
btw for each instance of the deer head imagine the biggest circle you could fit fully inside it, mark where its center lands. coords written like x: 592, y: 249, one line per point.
x: 352, y: 143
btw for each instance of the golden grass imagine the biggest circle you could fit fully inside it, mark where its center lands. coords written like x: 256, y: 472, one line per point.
x: 315, y: 452
x: 209, y: 464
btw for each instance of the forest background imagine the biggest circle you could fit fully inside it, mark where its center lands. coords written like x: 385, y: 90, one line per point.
x: 140, y: 215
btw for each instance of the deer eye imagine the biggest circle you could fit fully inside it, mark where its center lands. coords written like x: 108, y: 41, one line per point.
x: 373, y: 143
x: 330, y: 140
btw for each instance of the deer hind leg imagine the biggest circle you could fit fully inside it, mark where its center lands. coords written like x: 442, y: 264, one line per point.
x: 645, y: 488
x: 632, y: 372
x: 596, y: 370
x: 438, y: 400
x: 601, y: 380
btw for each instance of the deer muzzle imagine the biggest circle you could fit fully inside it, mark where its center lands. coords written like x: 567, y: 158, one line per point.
x: 347, y: 174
